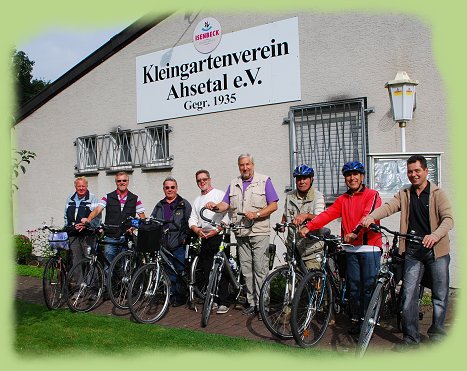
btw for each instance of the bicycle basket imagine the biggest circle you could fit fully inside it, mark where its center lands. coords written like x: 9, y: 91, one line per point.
x: 59, y: 240
x: 149, y: 238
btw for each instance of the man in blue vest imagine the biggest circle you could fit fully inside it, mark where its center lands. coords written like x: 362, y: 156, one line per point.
x: 79, y: 205
x: 119, y: 204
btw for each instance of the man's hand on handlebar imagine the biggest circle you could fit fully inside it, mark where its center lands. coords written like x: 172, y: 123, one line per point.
x: 367, y: 220
x: 211, y: 206
x: 304, y: 231
x: 300, y: 219
x: 79, y: 226
x: 429, y: 240
x: 350, y: 237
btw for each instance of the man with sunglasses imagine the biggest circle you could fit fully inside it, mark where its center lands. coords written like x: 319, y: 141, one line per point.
x: 119, y: 204
x: 175, y: 210
x: 210, y: 237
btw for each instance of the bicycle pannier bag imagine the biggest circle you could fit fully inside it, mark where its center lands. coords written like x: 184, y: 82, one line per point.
x: 59, y: 240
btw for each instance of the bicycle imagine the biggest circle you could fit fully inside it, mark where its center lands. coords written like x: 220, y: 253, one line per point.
x: 385, y: 301
x: 320, y: 293
x: 275, y: 299
x: 86, y: 279
x: 56, y: 268
x: 149, y: 289
x: 220, y: 265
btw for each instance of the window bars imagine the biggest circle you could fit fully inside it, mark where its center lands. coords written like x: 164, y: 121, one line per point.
x: 325, y: 136
x: 147, y: 148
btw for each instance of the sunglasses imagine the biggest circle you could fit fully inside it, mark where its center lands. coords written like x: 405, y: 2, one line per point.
x: 122, y: 180
x: 202, y: 180
x: 169, y: 187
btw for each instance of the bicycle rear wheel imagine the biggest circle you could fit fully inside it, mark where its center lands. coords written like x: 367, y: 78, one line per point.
x: 275, y: 302
x: 371, y: 319
x: 311, y: 309
x: 54, y: 283
x: 118, y: 279
x: 149, y: 293
x: 85, y: 283
x: 211, y: 292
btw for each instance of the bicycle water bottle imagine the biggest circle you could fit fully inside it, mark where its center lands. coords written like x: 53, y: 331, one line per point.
x: 233, y: 263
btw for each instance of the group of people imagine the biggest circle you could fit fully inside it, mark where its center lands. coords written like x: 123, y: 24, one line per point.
x: 424, y: 207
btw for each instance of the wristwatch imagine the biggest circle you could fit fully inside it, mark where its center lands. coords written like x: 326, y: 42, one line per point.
x: 258, y: 215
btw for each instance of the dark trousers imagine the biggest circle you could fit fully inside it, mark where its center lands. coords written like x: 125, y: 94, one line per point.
x: 209, y: 248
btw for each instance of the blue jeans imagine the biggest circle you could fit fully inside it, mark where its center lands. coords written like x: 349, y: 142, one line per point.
x: 362, y: 270
x: 178, y: 253
x: 113, y: 247
x: 417, y: 259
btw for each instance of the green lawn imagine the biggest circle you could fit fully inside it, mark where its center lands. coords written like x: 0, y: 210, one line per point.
x: 40, y: 332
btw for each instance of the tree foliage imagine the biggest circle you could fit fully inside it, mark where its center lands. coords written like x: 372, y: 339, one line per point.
x: 19, y: 159
x: 26, y: 86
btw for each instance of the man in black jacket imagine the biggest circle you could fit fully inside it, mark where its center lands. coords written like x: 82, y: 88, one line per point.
x: 176, y: 211
x: 119, y: 204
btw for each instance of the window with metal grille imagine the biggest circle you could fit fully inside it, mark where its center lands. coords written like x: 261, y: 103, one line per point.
x: 87, y: 154
x: 147, y: 148
x: 325, y: 136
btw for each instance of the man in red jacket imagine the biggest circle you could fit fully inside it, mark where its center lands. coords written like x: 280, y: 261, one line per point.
x: 363, y: 259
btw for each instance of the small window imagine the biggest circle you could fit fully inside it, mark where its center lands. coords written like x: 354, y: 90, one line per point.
x: 87, y: 153
x: 121, y: 148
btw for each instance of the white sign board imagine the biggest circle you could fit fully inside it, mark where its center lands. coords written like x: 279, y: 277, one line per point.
x: 252, y: 67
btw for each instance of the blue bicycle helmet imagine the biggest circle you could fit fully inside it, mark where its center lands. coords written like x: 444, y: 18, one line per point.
x: 303, y: 170
x: 353, y: 166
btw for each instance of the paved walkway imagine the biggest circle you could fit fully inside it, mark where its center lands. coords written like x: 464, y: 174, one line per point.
x: 233, y: 323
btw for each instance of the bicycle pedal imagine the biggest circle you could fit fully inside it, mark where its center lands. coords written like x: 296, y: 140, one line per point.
x: 241, y: 300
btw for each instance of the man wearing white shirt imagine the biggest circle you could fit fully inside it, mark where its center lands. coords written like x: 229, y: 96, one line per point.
x: 210, y: 237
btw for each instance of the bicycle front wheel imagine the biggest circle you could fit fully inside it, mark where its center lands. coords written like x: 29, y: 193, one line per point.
x: 311, y: 309
x: 211, y: 292
x: 85, y: 285
x: 370, y: 320
x: 149, y: 293
x: 118, y: 279
x: 54, y: 283
x: 275, y: 301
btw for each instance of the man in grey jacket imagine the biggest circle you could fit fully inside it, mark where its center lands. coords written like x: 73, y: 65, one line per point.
x: 303, y: 204
x: 425, y: 211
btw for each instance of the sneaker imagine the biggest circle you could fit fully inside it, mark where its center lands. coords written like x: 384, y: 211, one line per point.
x: 223, y: 309
x: 248, y: 311
x: 260, y: 318
x: 214, y: 306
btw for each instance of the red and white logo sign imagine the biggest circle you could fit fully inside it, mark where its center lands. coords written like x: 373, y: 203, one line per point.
x: 207, y: 35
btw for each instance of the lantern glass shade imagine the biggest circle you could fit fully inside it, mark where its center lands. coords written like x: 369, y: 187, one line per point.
x: 402, y: 97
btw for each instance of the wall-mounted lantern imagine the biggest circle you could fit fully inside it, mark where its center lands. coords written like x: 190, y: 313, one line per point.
x: 402, y: 96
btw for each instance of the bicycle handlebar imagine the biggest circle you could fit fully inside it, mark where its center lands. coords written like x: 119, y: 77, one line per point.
x: 328, y: 238
x: 408, y: 236
x: 232, y: 226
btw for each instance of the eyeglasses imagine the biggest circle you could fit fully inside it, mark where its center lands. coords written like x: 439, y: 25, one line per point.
x: 202, y: 180
x: 122, y: 180
x: 170, y: 187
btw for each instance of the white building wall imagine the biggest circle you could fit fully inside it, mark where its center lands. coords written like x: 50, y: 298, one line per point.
x: 343, y: 55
